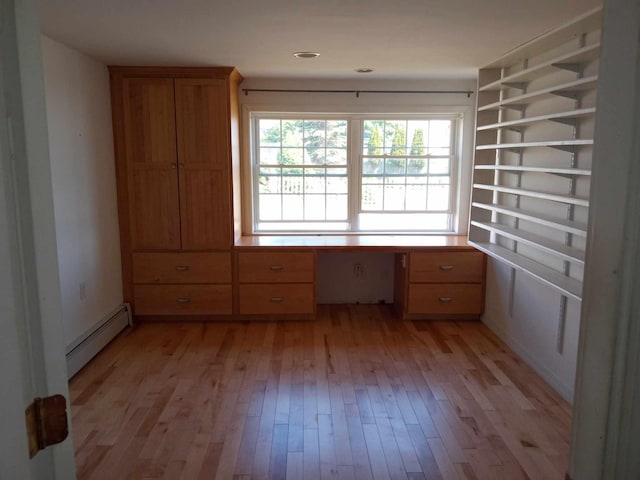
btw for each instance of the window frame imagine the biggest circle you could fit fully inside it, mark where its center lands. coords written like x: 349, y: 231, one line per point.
x: 462, y: 148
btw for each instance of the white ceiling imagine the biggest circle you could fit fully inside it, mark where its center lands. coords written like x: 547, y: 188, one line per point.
x: 401, y: 39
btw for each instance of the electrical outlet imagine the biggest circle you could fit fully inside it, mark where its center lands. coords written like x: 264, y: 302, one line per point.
x: 358, y: 270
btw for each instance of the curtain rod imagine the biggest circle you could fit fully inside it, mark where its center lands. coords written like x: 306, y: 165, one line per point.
x: 357, y: 92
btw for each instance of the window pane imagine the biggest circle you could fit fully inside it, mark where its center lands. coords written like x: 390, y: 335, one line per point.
x: 270, y: 207
x: 269, y: 132
x: 292, y: 133
x: 291, y: 156
x: 372, y: 197
x: 292, y: 207
x: 394, y: 166
x: 292, y: 180
x: 314, y: 207
x: 337, y: 133
x: 336, y: 156
x: 372, y: 166
x: 314, y: 133
x: 314, y: 181
x: 438, y: 198
x: 337, y: 185
x: 314, y: 156
x: 270, y: 156
x: 270, y: 180
x: 394, y: 197
x: 440, y: 133
x: 337, y: 207
x: 417, y: 165
x: 416, y: 197
x: 439, y: 166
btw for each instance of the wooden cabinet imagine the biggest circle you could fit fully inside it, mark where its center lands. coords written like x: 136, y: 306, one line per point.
x: 176, y: 143
x: 276, y: 283
x: 441, y: 284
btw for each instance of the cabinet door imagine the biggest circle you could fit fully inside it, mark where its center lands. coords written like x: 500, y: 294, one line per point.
x: 150, y: 143
x: 204, y: 158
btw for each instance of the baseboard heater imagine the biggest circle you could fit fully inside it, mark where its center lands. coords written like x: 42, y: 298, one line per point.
x: 87, y: 346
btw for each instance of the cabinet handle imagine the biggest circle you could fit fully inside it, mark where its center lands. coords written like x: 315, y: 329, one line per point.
x: 174, y: 165
x: 182, y: 268
x: 276, y: 267
x: 446, y: 267
x: 182, y: 300
x: 277, y: 299
x: 445, y: 299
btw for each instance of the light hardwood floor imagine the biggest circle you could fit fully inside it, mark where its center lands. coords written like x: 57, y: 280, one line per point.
x: 355, y: 394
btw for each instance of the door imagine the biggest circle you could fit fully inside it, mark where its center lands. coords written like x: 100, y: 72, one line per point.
x: 150, y: 143
x: 31, y: 342
x: 203, y: 126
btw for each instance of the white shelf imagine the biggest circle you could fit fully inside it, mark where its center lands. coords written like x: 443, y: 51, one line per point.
x: 558, y: 249
x: 550, y: 79
x: 524, y: 168
x: 572, y: 114
x: 554, y: 197
x: 566, y: 285
x: 585, y: 54
x: 567, y: 226
x: 551, y: 143
x: 565, y: 88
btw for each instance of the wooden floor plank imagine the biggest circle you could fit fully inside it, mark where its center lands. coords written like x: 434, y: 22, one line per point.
x: 355, y: 394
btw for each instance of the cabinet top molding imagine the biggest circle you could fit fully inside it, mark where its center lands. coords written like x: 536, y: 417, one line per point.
x: 175, y: 72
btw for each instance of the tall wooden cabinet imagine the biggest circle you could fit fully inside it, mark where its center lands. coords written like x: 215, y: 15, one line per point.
x: 176, y: 142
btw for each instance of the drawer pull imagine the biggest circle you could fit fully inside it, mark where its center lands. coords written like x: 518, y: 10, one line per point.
x: 182, y: 300
x: 182, y: 268
x: 275, y: 268
x: 445, y: 299
x: 446, y: 267
x: 277, y: 299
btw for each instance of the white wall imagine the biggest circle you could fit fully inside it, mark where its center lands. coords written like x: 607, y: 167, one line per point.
x: 84, y: 189
x: 525, y: 314
x: 377, y: 281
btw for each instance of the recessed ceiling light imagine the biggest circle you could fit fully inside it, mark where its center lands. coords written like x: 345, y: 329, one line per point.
x: 306, y: 54
x: 364, y: 70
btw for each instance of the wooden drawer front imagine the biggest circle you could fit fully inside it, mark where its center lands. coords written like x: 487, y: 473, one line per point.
x: 182, y: 267
x: 269, y: 299
x: 275, y: 267
x: 182, y: 299
x: 445, y: 299
x: 446, y: 267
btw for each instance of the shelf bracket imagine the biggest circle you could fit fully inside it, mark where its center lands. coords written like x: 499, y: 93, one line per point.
x: 572, y: 67
x: 564, y: 148
x: 572, y: 122
x: 572, y: 94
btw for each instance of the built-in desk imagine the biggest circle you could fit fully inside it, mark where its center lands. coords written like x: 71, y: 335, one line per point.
x: 435, y: 276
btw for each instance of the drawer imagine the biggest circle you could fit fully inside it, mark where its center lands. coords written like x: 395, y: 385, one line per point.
x: 446, y: 267
x: 182, y: 299
x: 276, y: 267
x: 181, y: 267
x: 445, y: 299
x: 275, y: 298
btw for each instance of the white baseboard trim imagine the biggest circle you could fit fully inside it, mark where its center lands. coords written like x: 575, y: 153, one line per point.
x: 87, y: 345
x: 565, y: 391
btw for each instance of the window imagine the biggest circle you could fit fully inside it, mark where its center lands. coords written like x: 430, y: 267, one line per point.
x: 353, y: 173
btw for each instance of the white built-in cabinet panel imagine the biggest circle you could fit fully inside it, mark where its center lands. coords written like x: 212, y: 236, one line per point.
x: 532, y: 168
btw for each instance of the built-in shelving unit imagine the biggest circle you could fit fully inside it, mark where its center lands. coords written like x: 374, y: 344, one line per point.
x: 534, y: 141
